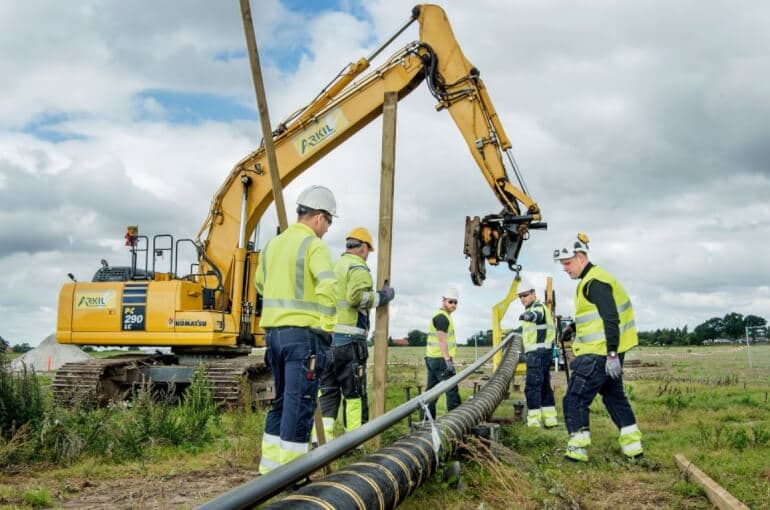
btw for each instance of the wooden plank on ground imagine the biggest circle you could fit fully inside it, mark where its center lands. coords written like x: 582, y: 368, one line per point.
x: 715, y: 492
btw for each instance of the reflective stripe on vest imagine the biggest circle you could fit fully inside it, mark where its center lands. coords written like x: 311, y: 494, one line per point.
x: 529, y: 329
x: 347, y: 315
x: 589, y: 335
x: 291, y: 300
x: 432, y: 349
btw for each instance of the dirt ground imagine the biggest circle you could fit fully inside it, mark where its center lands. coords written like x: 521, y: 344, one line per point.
x: 184, y: 490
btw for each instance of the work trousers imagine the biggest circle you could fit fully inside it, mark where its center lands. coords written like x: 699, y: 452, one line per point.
x: 436, y: 374
x: 345, y: 379
x: 291, y: 352
x: 587, y: 378
x: 537, y: 387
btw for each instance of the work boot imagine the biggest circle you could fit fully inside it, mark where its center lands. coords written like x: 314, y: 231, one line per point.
x: 577, y: 446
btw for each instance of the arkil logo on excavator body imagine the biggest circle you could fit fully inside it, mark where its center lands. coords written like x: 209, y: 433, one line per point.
x: 315, y: 135
x: 86, y: 300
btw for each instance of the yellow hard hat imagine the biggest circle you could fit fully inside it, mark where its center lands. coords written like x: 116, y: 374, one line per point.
x: 363, y: 235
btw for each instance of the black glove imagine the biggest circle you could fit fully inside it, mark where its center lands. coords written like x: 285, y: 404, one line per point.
x: 568, y: 332
x: 450, y: 368
x: 387, y: 293
x: 528, y: 316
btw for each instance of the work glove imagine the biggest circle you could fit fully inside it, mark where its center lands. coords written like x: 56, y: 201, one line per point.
x: 612, y: 367
x: 386, y: 293
x: 528, y: 317
x: 450, y: 368
x: 568, y: 332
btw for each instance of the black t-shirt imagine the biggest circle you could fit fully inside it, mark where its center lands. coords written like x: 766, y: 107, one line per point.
x: 441, y: 323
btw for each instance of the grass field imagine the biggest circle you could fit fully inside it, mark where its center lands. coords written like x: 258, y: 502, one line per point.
x: 703, y: 402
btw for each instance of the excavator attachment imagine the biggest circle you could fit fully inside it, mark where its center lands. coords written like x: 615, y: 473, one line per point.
x: 496, y: 238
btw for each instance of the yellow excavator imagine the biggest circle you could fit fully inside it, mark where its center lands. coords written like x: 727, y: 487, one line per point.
x: 210, y: 315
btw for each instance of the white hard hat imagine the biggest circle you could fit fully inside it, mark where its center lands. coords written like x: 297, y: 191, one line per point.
x: 319, y: 198
x: 571, y: 247
x: 525, y: 285
x: 451, y: 292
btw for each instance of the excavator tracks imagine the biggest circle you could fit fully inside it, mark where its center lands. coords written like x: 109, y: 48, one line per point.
x: 234, y: 382
x: 93, y: 382
x: 237, y: 382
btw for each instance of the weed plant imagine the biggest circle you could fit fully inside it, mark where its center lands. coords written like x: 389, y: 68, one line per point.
x: 21, y: 399
x: 117, y: 433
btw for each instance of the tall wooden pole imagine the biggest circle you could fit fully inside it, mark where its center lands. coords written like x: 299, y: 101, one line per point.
x: 272, y: 161
x: 267, y: 134
x: 384, y: 246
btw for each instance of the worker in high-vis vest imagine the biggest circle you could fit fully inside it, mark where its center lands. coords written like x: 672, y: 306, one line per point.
x: 604, y: 330
x: 296, y: 280
x: 442, y: 348
x: 538, y: 334
x: 345, y: 380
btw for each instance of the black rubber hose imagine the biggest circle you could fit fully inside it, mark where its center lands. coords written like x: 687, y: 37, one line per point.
x: 384, y: 479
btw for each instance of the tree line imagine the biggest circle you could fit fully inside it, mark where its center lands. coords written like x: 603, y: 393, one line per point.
x: 730, y: 327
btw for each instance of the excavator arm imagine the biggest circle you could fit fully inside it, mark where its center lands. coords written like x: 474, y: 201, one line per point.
x: 348, y: 104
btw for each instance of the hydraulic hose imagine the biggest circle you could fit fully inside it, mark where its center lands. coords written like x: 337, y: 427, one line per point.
x: 384, y: 479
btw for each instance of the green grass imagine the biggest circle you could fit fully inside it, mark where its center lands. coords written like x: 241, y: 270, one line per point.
x: 702, y: 402
x: 706, y: 404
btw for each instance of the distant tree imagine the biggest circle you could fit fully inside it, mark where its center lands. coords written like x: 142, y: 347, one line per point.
x: 3, y: 344
x: 481, y: 338
x: 417, y: 338
x: 734, y: 325
x: 709, y: 330
x: 87, y: 348
x: 25, y: 347
x: 751, y: 321
x: 390, y: 341
x: 133, y: 348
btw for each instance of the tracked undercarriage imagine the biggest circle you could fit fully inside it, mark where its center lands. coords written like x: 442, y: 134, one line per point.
x: 238, y: 381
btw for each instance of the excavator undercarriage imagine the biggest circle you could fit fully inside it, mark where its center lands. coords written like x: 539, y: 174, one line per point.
x: 233, y: 382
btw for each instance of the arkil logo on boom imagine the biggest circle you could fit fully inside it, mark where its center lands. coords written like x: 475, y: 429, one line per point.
x: 312, y: 137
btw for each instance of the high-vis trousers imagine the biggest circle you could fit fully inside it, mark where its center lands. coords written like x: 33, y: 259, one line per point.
x: 587, y: 379
x: 297, y: 358
x: 345, y: 383
x: 537, y: 389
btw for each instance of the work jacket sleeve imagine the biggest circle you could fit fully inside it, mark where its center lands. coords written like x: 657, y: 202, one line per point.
x: 259, y: 274
x: 320, y: 265
x: 360, y: 293
x: 600, y: 294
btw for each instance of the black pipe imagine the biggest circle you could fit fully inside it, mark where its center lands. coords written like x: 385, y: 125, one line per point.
x: 262, y: 488
x: 384, y: 479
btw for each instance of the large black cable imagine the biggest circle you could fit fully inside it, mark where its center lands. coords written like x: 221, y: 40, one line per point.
x: 384, y: 479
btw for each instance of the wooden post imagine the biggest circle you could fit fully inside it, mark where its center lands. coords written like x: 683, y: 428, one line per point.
x: 272, y: 161
x: 715, y: 492
x: 267, y: 134
x: 384, y: 245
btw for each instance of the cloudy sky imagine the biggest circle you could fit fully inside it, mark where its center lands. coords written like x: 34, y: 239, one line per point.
x: 643, y: 124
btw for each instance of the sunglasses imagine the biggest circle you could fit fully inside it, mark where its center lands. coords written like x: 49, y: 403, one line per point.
x: 327, y: 217
x: 451, y: 301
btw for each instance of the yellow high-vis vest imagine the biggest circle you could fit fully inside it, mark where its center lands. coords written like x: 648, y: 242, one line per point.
x: 352, y: 275
x: 433, y: 350
x: 296, y: 280
x: 529, y: 330
x: 589, y: 327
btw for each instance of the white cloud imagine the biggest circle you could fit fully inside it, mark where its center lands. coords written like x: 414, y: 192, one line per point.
x: 643, y: 125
